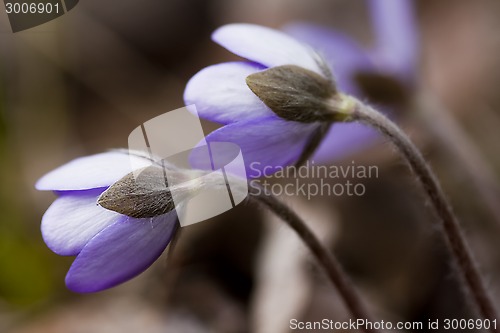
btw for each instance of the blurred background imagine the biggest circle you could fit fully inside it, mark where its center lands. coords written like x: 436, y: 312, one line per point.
x: 80, y: 84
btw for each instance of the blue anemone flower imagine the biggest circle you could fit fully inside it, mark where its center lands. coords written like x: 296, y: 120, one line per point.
x: 269, y: 142
x: 110, y: 248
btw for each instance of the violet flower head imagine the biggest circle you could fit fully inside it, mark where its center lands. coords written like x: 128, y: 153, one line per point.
x: 396, y: 47
x: 394, y: 52
x: 110, y: 247
x: 384, y: 73
x: 221, y: 94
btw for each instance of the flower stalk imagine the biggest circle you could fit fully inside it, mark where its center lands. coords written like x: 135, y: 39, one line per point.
x: 326, y: 259
x: 448, y: 221
x: 298, y: 95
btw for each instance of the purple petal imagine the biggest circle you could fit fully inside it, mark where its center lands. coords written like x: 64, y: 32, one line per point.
x: 73, y: 219
x: 344, y: 55
x: 220, y: 93
x: 89, y: 172
x: 266, y: 46
x: 396, y: 36
x: 266, y: 143
x: 345, y: 139
x: 120, y: 252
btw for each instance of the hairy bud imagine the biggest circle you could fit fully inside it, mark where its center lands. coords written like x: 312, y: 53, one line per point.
x: 146, y: 193
x: 298, y: 94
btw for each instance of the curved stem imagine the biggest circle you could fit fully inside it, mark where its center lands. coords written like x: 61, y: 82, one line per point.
x: 450, y: 226
x: 329, y: 263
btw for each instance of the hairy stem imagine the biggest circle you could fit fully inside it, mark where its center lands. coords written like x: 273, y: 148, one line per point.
x: 326, y: 259
x: 448, y: 221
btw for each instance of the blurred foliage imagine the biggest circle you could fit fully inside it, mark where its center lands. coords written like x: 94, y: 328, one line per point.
x: 25, y: 276
x: 3, y: 124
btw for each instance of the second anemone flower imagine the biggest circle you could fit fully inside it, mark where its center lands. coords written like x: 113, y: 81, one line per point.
x: 227, y: 94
